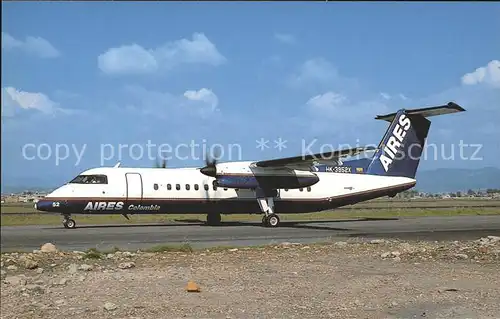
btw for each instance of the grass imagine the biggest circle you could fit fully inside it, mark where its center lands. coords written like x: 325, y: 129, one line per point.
x: 425, y: 203
x: 18, y: 208
x: 51, y: 219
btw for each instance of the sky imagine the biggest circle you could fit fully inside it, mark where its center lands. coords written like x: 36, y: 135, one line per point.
x: 89, y: 84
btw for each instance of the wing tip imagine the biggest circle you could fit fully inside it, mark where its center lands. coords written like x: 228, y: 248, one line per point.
x: 455, y: 106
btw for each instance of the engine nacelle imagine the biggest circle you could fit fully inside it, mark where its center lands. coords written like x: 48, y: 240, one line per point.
x: 244, y: 175
x: 270, y: 181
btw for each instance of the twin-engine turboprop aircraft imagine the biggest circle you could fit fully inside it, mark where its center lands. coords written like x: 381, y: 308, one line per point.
x: 301, y: 184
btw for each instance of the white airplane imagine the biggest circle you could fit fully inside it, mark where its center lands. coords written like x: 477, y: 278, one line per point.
x: 302, y: 184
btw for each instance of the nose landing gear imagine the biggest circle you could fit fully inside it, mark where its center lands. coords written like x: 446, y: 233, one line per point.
x: 68, y: 222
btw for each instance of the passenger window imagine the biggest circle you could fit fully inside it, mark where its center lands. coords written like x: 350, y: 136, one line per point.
x: 169, y: 187
x: 155, y: 186
x: 214, y: 187
x: 301, y: 189
x: 90, y: 179
x: 178, y: 187
x: 187, y: 187
x: 195, y: 187
x: 206, y: 187
x: 286, y: 189
x: 225, y: 189
x: 309, y: 188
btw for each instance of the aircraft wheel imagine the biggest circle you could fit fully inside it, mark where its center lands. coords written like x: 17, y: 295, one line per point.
x: 213, y: 219
x: 69, y: 223
x: 264, y: 221
x: 272, y: 220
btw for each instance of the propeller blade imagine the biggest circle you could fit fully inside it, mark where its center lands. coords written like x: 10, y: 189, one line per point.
x: 207, y: 191
x: 162, y: 165
x: 210, y: 168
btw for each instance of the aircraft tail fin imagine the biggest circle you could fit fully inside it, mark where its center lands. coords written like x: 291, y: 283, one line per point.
x: 399, y: 151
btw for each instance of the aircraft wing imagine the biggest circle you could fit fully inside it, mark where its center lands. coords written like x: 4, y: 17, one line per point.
x: 306, y: 161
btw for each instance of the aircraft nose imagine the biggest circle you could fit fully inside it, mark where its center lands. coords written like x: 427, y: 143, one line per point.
x: 44, y: 205
x: 50, y: 205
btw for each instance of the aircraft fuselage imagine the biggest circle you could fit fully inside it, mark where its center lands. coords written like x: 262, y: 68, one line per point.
x: 187, y: 191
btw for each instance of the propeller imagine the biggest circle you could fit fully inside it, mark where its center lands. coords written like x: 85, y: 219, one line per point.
x: 207, y: 191
x: 162, y: 165
x: 210, y: 168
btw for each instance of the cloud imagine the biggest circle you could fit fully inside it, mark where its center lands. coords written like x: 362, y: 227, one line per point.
x: 385, y: 95
x: 127, y: 59
x: 489, y: 74
x: 66, y: 95
x: 134, y: 59
x: 202, y: 102
x: 285, y: 38
x: 318, y: 75
x: 36, y: 46
x: 336, y: 113
x: 328, y: 101
x: 203, y: 95
x: 340, y: 107
x: 14, y: 100
x: 315, y: 70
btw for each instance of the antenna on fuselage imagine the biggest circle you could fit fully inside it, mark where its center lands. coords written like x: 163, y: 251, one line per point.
x: 117, y: 165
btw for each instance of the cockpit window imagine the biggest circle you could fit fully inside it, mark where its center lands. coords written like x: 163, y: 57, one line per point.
x: 90, y: 179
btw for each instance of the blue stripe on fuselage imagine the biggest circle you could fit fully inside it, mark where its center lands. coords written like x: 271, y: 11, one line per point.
x: 272, y: 181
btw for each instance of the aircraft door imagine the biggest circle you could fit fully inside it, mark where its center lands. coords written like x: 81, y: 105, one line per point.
x: 134, y: 186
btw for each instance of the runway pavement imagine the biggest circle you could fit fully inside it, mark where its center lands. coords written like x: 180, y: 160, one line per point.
x: 103, y: 237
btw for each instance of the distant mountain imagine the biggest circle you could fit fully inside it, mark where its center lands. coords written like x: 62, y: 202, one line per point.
x: 457, y: 179
x: 433, y: 181
x: 6, y: 190
x: 29, y: 184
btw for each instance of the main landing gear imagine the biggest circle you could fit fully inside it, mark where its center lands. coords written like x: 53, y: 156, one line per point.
x: 270, y: 219
x: 68, y: 222
x: 213, y: 219
x: 265, y: 199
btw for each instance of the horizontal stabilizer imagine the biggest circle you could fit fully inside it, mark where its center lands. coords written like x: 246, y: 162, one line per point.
x: 426, y: 111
